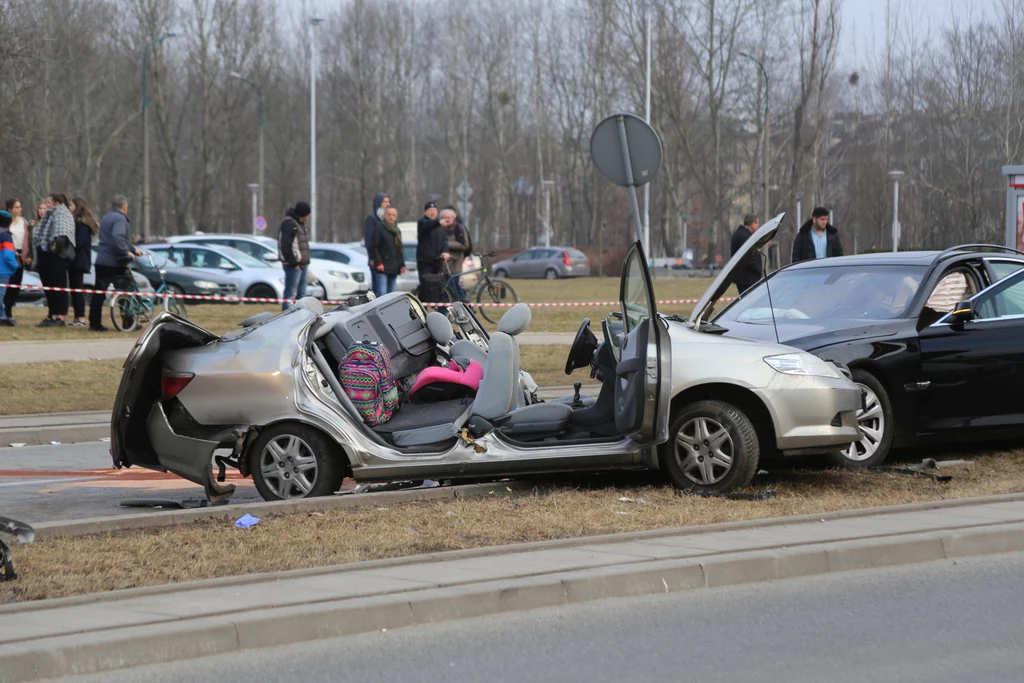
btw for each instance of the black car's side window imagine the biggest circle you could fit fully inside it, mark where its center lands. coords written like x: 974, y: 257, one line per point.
x: 1003, y: 301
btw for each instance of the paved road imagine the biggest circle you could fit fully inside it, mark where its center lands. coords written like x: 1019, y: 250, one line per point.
x: 77, y: 481
x: 930, y: 623
x: 48, y: 351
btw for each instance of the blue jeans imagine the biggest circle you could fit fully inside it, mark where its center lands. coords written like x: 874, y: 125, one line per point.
x: 383, y: 283
x: 456, y: 282
x: 4, y: 279
x: 294, y: 285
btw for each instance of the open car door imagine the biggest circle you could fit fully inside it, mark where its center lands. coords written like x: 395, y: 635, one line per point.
x: 643, y: 374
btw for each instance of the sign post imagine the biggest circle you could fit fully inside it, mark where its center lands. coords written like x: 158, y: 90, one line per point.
x: 463, y: 191
x: 1014, y: 207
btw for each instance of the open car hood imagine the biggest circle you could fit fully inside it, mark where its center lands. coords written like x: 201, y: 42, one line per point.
x: 711, y: 295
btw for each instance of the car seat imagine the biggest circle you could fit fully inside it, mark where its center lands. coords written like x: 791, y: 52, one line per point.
x: 496, y: 404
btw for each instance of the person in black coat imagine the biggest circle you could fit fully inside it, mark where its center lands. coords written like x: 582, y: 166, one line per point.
x: 375, y: 219
x: 85, y: 229
x: 749, y: 271
x: 385, y: 253
x: 431, y: 252
x: 817, y: 238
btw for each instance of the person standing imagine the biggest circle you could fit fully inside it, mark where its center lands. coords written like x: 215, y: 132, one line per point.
x: 22, y: 236
x: 293, y: 249
x: 8, y: 264
x: 54, y: 241
x: 374, y: 220
x: 458, y: 245
x: 85, y: 229
x: 817, y: 238
x: 431, y: 251
x: 385, y: 253
x: 749, y: 271
x: 113, y: 254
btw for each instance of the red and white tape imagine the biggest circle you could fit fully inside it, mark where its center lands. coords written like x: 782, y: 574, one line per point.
x: 263, y: 300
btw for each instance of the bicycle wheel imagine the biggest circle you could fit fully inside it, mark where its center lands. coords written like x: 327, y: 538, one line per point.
x: 122, y: 313
x: 495, y: 292
x: 177, y: 307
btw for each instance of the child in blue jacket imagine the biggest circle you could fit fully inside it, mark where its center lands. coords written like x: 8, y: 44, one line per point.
x: 8, y: 263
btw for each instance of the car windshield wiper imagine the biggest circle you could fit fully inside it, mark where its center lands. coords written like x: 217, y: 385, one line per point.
x: 675, y: 317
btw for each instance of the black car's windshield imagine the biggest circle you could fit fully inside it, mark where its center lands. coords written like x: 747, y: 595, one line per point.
x: 829, y: 293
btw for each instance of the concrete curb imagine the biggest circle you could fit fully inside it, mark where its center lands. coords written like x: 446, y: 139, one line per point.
x: 150, y: 644
x: 487, y: 551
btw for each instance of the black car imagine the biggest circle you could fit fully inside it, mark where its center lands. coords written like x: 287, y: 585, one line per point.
x: 182, y: 280
x: 934, y: 339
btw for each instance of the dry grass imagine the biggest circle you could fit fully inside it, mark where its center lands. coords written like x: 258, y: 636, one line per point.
x: 220, y: 318
x: 586, y: 506
x: 58, y: 387
x: 27, y: 388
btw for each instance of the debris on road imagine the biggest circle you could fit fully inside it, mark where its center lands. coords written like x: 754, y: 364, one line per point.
x: 247, y: 521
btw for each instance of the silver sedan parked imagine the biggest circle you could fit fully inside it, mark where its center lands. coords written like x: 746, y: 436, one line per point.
x: 549, y: 263
x: 675, y: 395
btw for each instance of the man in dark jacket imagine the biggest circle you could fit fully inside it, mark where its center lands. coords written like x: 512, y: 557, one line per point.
x: 374, y: 220
x: 385, y: 253
x: 749, y: 270
x: 113, y: 253
x: 431, y: 251
x: 293, y: 248
x: 817, y: 238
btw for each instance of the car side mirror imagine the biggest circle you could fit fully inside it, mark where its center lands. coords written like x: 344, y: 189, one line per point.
x: 962, y: 313
x: 270, y: 257
x: 227, y: 267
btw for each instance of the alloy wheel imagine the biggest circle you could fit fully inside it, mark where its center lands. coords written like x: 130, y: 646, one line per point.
x: 289, y: 466
x: 871, y: 420
x: 704, y: 450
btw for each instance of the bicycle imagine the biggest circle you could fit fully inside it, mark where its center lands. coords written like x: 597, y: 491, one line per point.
x: 126, y: 311
x: 487, y: 289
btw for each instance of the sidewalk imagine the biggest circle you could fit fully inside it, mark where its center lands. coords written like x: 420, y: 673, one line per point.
x: 129, y: 628
x: 106, y: 349
x: 39, y: 429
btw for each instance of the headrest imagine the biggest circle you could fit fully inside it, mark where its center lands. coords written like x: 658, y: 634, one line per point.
x: 440, y: 327
x: 515, y: 320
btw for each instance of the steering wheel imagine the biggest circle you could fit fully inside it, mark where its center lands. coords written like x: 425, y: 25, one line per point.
x: 582, y: 350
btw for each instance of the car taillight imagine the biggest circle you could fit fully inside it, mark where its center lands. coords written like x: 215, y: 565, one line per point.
x: 565, y: 258
x: 173, y: 383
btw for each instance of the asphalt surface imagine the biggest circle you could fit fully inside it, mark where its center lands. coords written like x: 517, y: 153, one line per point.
x: 938, y: 622
x: 78, y: 481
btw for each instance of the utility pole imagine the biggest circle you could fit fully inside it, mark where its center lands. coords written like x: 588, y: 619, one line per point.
x: 254, y: 188
x: 145, y: 134
x: 647, y: 118
x: 895, y: 175
x: 259, y: 95
x: 766, y: 145
x: 313, y: 22
x: 547, y: 184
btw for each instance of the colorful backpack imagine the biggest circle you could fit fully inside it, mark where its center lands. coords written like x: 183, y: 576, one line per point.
x: 365, y: 375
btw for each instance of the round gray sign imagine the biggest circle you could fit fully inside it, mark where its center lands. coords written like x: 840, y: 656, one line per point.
x: 620, y: 135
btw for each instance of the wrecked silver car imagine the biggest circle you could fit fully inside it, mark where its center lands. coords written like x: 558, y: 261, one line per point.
x: 266, y: 398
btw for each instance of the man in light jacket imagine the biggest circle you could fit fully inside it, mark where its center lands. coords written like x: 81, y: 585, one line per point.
x: 113, y: 254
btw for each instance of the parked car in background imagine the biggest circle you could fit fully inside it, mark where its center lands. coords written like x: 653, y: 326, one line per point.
x: 254, y: 277
x: 550, y: 263
x: 932, y: 338
x: 31, y: 296
x: 338, y: 280
x: 182, y: 280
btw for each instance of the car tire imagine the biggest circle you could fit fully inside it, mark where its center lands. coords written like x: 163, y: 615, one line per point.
x: 175, y: 290
x: 501, y: 272
x: 701, y: 436
x: 260, y: 292
x: 293, y: 460
x: 876, y: 423
x: 550, y: 274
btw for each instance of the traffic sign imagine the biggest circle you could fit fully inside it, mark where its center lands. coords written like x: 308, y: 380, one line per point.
x: 464, y: 190
x: 261, y: 223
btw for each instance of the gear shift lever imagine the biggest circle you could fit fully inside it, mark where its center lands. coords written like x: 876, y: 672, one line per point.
x: 577, y: 402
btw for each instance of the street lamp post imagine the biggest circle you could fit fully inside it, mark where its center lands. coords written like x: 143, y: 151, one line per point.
x: 254, y: 188
x: 766, y: 152
x: 145, y: 133
x: 647, y: 118
x: 546, y: 186
x: 313, y: 22
x: 799, y: 218
x: 259, y: 95
x: 895, y: 175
